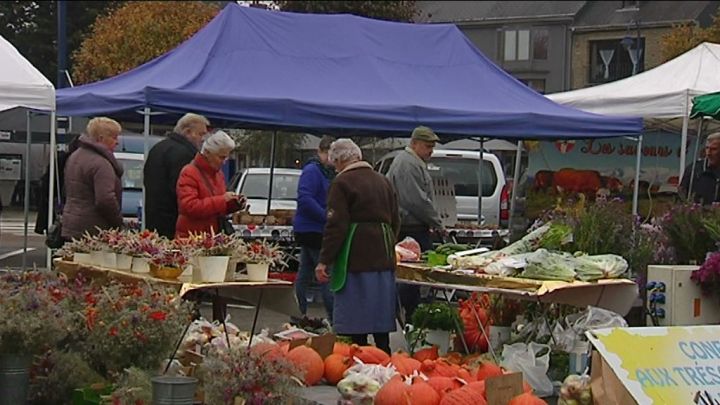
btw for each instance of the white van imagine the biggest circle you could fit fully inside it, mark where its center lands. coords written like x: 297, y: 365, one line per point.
x: 462, y: 168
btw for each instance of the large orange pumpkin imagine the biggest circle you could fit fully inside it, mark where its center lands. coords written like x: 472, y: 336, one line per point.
x: 466, y: 375
x: 527, y: 399
x: 404, y: 364
x: 478, y: 386
x: 342, y: 348
x: 335, y: 367
x: 394, y: 392
x: 422, y: 393
x: 309, y: 362
x: 488, y: 369
x: 443, y: 385
x: 270, y: 351
x: 463, y: 396
x: 369, y: 354
x: 428, y: 353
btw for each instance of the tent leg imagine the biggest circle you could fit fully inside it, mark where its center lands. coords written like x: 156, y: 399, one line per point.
x: 516, y: 181
x: 636, y: 188
x: 695, y: 156
x: 51, y: 189
x: 146, y: 150
x: 683, y: 141
x: 26, y: 208
x: 480, y: 181
x: 272, y: 170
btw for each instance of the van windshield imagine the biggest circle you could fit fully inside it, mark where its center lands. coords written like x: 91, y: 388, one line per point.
x: 133, y: 173
x: 284, y: 186
x: 463, y: 173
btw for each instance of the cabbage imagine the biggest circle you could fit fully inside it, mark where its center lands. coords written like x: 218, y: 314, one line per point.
x: 544, y: 265
x: 596, y: 267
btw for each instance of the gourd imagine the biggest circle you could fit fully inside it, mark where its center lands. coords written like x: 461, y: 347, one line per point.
x: 488, y: 369
x: 421, y: 393
x: 404, y: 364
x: 429, y: 353
x: 369, y: 354
x: 526, y: 399
x: 463, y: 396
x: 335, y: 367
x: 309, y: 362
x: 394, y: 392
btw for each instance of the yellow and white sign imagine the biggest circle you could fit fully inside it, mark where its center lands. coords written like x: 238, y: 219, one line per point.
x: 664, y: 365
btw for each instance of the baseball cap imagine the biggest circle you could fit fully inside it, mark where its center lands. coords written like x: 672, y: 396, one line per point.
x: 423, y: 133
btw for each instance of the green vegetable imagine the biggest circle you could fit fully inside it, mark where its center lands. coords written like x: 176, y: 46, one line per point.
x: 591, y: 268
x: 556, y: 237
x: 544, y: 265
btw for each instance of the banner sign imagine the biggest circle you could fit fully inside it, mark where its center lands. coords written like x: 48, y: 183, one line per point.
x: 664, y: 365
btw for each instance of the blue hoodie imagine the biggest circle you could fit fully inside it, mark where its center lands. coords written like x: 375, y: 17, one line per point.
x: 312, y: 198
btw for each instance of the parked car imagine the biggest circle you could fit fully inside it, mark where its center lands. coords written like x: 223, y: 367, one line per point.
x: 461, y: 167
x: 129, y: 153
x: 253, y: 183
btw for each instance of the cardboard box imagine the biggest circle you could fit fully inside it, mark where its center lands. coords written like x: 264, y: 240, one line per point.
x: 605, y: 384
x: 323, y: 344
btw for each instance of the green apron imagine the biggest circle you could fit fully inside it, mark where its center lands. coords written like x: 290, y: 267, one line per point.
x: 339, y: 271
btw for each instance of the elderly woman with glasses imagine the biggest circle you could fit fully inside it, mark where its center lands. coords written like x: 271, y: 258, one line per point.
x: 359, y: 242
x: 203, y: 202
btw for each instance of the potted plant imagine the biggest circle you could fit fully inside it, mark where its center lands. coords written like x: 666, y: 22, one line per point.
x: 502, y: 313
x: 215, y: 252
x: 78, y: 251
x: 35, y: 318
x: 258, y: 258
x: 434, y: 323
x: 142, y: 246
x: 168, y: 262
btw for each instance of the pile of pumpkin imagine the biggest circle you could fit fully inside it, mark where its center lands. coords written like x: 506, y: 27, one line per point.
x: 424, y: 378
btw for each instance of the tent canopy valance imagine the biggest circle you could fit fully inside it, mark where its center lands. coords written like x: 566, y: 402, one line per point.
x: 338, y: 74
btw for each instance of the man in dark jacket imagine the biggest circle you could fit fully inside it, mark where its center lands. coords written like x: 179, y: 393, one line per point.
x: 162, y: 169
x: 705, y: 187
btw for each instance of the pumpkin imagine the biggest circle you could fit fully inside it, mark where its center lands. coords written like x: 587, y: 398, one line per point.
x: 478, y: 386
x: 369, y: 354
x: 488, y: 369
x: 335, y: 367
x: 527, y: 387
x: 270, y: 351
x: 463, y: 396
x: 474, y: 337
x: 394, y: 392
x: 454, y: 358
x: 429, y: 353
x: 526, y: 399
x: 443, y: 385
x: 465, y: 374
x: 404, y: 364
x: 422, y: 393
x: 309, y: 362
x: 341, y: 348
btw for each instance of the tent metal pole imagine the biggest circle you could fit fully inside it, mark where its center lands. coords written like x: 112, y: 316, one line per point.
x: 636, y: 191
x: 26, y: 202
x: 51, y: 189
x: 683, y: 141
x: 695, y: 156
x: 516, y: 181
x: 146, y: 150
x: 480, y: 181
x: 272, y: 170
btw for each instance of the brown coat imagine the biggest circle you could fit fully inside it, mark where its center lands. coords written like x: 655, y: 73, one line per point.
x: 361, y: 195
x: 93, y: 190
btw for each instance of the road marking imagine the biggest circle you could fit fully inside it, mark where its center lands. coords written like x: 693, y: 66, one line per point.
x: 15, y: 253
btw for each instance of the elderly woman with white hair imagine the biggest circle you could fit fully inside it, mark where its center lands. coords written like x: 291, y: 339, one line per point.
x: 359, y: 242
x: 203, y: 202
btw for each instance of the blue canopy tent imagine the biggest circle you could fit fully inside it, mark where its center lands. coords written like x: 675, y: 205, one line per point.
x: 336, y: 74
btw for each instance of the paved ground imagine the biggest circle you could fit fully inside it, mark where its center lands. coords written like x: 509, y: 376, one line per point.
x: 12, y: 229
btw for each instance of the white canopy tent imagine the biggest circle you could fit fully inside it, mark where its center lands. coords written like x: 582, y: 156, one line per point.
x: 22, y: 85
x: 662, y: 95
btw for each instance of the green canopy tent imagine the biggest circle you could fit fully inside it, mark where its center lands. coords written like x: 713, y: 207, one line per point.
x: 704, y: 106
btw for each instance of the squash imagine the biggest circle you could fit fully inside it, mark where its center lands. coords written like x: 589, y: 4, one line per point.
x: 394, y: 392
x: 309, y: 362
x: 473, y: 330
x: 466, y: 375
x: 369, y: 354
x: 478, y: 386
x: 342, y: 348
x: 454, y: 358
x: 443, y: 385
x: 335, y: 367
x: 422, y: 393
x: 463, y: 396
x: 270, y: 351
x: 527, y: 399
x: 404, y: 364
x: 488, y: 369
x: 428, y: 353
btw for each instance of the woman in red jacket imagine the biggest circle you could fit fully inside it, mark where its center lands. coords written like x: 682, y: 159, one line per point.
x: 202, y: 200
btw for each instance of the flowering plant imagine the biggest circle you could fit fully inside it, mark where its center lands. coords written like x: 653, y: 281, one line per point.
x: 684, y: 228
x: 143, y: 244
x: 131, y: 326
x: 708, y: 275
x: 216, y: 244
x: 35, y: 311
x: 256, y: 378
x: 262, y: 251
x: 167, y: 256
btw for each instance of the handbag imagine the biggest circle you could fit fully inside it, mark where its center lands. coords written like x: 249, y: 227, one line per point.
x: 53, y: 238
x: 223, y: 223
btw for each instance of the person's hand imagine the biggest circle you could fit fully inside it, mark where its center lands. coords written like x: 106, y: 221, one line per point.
x: 321, y: 273
x: 229, y: 196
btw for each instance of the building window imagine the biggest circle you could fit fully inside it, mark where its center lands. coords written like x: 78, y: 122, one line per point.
x: 541, y: 38
x: 611, y: 60
x: 517, y: 45
x: 535, y: 84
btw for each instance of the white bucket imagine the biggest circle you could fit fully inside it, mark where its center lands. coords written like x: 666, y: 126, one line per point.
x: 98, y: 259
x: 110, y: 260
x: 440, y: 338
x: 124, y: 262
x: 140, y: 265
x: 213, y: 268
x: 257, y: 271
x: 83, y: 258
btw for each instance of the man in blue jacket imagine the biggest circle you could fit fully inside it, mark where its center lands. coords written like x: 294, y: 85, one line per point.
x: 309, y: 223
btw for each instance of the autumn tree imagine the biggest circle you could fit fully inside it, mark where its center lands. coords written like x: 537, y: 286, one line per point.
x: 382, y: 10
x: 135, y: 33
x: 684, y: 37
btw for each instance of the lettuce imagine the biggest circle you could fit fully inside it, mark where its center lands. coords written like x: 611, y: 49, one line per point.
x: 544, y: 265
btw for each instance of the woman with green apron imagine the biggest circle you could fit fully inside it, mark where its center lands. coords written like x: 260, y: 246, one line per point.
x: 359, y: 242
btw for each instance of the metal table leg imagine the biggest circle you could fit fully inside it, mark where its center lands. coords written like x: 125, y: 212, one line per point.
x: 257, y: 311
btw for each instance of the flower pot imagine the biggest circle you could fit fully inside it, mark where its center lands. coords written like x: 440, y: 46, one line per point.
x: 169, y: 390
x: 110, y: 260
x: 213, y: 268
x: 257, y: 271
x: 232, y: 267
x: 441, y: 338
x: 188, y: 272
x: 98, y: 259
x: 124, y: 262
x: 83, y: 258
x: 14, y: 378
x: 165, y: 272
x: 499, y: 335
x: 140, y: 265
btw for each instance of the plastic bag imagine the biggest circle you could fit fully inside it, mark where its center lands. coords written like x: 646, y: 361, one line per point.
x: 508, y: 266
x: 408, y: 249
x: 524, y: 358
x: 597, y: 318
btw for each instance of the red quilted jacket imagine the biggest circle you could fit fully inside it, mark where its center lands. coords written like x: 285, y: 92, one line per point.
x: 198, y: 207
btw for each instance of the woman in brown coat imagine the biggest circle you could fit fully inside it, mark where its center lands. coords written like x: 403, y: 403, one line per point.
x: 359, y: 242
x: 92, y: 181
